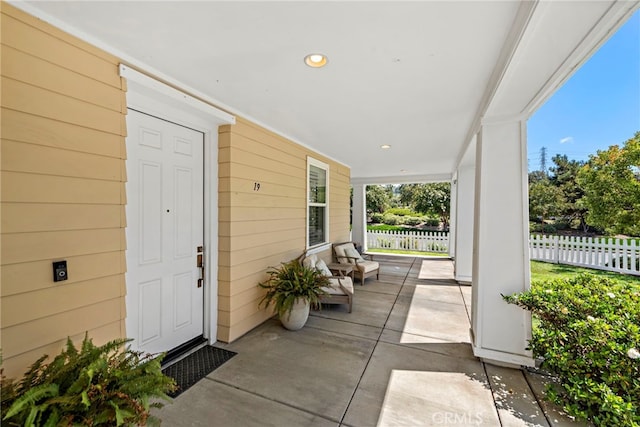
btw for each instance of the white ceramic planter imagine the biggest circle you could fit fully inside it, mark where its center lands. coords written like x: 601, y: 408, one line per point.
x: 297, y: 317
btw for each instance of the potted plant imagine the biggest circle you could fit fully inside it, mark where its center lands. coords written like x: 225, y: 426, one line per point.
x: 292, y: 288
x: 107, y: 385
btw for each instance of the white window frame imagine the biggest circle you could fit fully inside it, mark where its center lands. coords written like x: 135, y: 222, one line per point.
x: 320, y: 246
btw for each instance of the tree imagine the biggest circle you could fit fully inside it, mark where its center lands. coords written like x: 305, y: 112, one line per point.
x: 408, y: 194
x: 378, y: 198
x: 564, y: 176
x: 611, y: 184
x: 545, y: 199
x: 434, y: 199
x: 536, y: 176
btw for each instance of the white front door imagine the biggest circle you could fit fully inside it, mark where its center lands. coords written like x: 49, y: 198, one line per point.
x: 164, y: 230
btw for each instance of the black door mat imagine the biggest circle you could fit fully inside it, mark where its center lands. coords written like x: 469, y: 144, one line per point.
x: 196, y: 366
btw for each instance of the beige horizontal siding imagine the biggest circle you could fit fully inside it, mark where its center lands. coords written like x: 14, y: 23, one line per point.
x: 25, y: 247
x: 31, y: 276
x: 291, y: 200
x: 31, y: 158
x: 44, y: 303
x: 59, y: 217
x: 247, y: 242
x: 26, y: 98
x: 59, y: 326
x: 236, y: 228
x: 260, y: 228
x: 17, y: 364
x: 30, y: 35
x: 24, y: 127
x: 264, y: 176
x: 62, y: 190
x: 228, y: 213
x: 32, y: 188
x: 37, y: 72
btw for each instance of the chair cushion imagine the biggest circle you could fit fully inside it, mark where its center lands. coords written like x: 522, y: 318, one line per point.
x: 334, y: 289
x: 340, y: 252
x: 351, y: 252
x: 367, y: 266
x: 322, y: 266
x: 310, y: 261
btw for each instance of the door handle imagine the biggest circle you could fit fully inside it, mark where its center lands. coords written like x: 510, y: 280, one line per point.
x: 200, y: 264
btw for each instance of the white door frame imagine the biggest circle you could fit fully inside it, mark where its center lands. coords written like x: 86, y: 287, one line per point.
x: 153, y: 97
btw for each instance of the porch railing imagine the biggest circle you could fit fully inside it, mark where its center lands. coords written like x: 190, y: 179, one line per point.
x: 409, y: 240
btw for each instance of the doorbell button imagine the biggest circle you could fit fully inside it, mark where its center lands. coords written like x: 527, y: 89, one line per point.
x: 60, y: 271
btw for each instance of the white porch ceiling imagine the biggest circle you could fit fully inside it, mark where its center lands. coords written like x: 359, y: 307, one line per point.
x: 418, y: 75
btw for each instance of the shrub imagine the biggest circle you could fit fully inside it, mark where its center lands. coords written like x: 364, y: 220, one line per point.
x: 412, y: 220
x: 432, y: 222
x: 589, y: 337
x: 391, y: 220
x: 106, y: 385
x: 399, y: 212
x: 549, y: 229
x: 377, y: 217
x: 535, y: 227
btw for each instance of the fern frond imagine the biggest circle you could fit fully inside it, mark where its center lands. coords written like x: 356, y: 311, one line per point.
x: 30, y: 398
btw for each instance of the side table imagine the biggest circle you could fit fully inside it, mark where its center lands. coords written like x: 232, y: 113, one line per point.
x: 345, y: 269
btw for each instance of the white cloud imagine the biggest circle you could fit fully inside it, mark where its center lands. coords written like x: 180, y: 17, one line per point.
x: 566, y: 139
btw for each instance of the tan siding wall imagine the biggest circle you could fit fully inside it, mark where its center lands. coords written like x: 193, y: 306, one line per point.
x: 62, y: 175
x: 262, y: 228
x: 62, y: 190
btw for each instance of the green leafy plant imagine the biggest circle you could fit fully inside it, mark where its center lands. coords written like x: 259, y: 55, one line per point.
x: 588, y: 336
x: 391, y: 219
x: 377, y: 217
x: 91, y: 386
x: 412, y: 220
x: 432, y: 222
x: 399, y: 211
x: 290, y: 282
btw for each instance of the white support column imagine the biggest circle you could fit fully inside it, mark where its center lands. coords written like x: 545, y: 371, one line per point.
x: 464, y: 220
x: 359, y: 216
x: 453, y: 225
x: 501, y: 259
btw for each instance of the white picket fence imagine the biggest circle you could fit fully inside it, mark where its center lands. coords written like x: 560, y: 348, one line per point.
x: 409, y: 240
x: 621, y: 255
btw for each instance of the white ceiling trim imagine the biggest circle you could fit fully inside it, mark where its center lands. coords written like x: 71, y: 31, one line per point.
x: 173, y: 94
x: 619, y: 12
x: 405, y: 179
x: 126, y: 59
x: 152, y: 72
x: 516, y: 33
x: 499, y: 120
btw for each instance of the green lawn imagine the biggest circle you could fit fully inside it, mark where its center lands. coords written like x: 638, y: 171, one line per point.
x: 402, y: 252
x: 539, y: 270
x: 544, y: 271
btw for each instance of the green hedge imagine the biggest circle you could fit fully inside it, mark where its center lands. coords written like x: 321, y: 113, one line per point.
x: 588, y: 335
x: 400, y: 212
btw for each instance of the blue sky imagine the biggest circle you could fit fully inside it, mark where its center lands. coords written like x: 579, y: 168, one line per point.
x: 597, y: 107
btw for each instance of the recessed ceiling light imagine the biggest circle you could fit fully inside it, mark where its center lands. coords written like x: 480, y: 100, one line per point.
x: 315, y: 60
x: 385, y: 146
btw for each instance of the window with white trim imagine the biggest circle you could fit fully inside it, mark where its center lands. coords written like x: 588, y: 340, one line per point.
x: 317, y: 202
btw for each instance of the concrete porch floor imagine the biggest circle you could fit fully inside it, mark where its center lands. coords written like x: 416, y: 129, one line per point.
x: 401, y: 358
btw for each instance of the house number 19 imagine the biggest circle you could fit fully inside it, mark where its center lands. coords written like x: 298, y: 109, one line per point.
x: 256, y: 186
